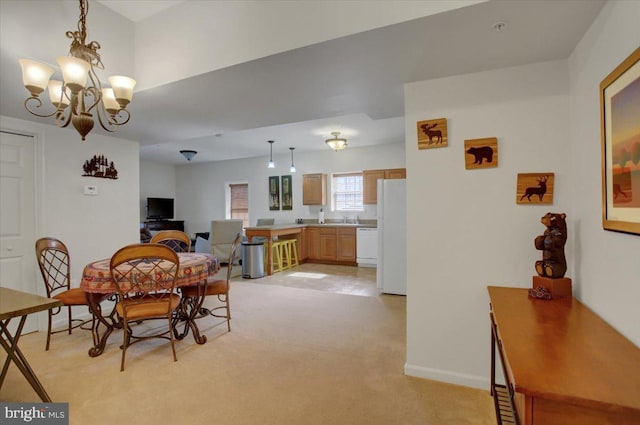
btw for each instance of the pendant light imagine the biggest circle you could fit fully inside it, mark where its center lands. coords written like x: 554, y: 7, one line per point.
x: 292, y: 169
x: 271, y: 164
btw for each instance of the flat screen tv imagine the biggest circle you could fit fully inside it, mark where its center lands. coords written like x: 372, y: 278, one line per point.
x: 159, y: 208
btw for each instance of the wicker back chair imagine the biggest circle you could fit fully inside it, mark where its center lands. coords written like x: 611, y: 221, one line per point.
x: 219, y: 288
x: 145, y: 275
x: 175, y: 239
x: 54, y: 263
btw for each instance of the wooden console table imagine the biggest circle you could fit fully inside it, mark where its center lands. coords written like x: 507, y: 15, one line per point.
x: 563, y: 364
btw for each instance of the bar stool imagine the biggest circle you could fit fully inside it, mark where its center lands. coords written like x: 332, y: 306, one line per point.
x: 290, y: 253
x: 277, y: 247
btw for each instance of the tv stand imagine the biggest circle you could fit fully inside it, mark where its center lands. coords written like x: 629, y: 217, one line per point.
x: 157, y: 225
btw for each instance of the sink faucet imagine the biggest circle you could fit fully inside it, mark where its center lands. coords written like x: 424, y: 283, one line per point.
x: 357, y: 219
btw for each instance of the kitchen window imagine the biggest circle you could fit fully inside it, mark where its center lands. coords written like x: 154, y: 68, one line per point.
x: 239, y: 205
x: 346, y: 192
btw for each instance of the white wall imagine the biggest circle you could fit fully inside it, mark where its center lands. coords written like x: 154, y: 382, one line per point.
x: 92, y: 227
x: 157, y: 180
x: 471, y: 233
x: 201, y: 187
x: 607, y: 264
x: 466, y: 230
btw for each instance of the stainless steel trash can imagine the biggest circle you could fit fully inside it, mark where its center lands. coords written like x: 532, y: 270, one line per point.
x: 252, y: 260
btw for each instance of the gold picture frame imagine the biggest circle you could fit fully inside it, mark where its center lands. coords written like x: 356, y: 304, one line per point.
x: 620, y: 146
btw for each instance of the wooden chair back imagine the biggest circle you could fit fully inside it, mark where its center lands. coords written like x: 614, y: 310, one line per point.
x: 54, y: 262
x: 233, y: 254
x: 144, y: 272
x: 175, y: 239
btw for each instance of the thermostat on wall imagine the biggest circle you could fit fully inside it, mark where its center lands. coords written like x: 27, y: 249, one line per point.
x: 90, y: 190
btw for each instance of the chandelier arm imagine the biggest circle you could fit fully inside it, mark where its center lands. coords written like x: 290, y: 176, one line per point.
x: 95, y: 93
x: 127, y: 113
x: 63, y: 120
x: 38, y: 104
x: 109, y: 124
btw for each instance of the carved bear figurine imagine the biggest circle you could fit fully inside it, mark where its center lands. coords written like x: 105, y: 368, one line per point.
x: 551, y: 243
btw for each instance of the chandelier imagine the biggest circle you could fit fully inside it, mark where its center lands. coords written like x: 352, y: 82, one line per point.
x: 337, y: 143
x: 77, y: 100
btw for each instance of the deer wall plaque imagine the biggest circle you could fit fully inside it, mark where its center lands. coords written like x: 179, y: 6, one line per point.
x: 535, y: 188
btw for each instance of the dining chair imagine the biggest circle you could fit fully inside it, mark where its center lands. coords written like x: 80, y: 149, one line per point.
x: 177, y: 240
x: 145, y: 276
x: 217, y: 287
x: 54, y: 262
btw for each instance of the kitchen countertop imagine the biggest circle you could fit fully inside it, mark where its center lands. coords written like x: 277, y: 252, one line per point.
x: 295, y: 225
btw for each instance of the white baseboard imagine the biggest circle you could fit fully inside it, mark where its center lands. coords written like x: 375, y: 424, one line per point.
x: 447, y: 376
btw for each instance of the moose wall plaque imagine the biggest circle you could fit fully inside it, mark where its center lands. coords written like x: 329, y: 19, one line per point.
x: 534, y: 188
x: 432, y: 134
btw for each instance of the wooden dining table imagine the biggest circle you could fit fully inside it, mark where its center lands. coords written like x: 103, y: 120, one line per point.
x: 99, y: 286
x: 14, y: 304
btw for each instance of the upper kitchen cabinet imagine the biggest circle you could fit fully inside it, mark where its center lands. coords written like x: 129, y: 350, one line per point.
x: 370, y: 182
x: 314, y: 189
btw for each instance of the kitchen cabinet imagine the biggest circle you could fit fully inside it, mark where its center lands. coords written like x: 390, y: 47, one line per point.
x: 370, y: 182
x: 314, y: 189
x: 346, y: 244
x: 313, y: 243
x: 331, y: 245
x: 302, y: 246
x: 328, y: 245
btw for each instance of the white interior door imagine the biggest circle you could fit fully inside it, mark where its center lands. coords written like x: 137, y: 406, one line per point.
x: 17, y: 216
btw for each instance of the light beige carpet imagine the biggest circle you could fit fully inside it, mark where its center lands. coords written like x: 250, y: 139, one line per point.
x: 293, y: 356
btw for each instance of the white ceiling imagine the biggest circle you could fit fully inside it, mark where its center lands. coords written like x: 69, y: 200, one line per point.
x: 137, y: 10
x: 353, y: 84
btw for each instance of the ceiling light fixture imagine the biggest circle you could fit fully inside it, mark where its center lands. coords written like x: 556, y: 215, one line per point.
x: 188, y: 154
x: 292, y: 169
x: 271, y: 164
x: 337, y: 143
x: 109, y: 104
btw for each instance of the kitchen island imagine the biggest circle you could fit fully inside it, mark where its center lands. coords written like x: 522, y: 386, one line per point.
x: 331, y: 243
x: 282, y: 231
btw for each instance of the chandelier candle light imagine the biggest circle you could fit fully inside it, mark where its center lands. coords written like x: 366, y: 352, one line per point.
x: 75, y: 93
x: 337, y: 143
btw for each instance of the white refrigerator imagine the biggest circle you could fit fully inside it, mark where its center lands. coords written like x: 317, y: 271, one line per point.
x: 391, y: 273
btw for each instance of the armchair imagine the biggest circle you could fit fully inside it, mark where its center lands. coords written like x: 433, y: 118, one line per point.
x: 223, y: 233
